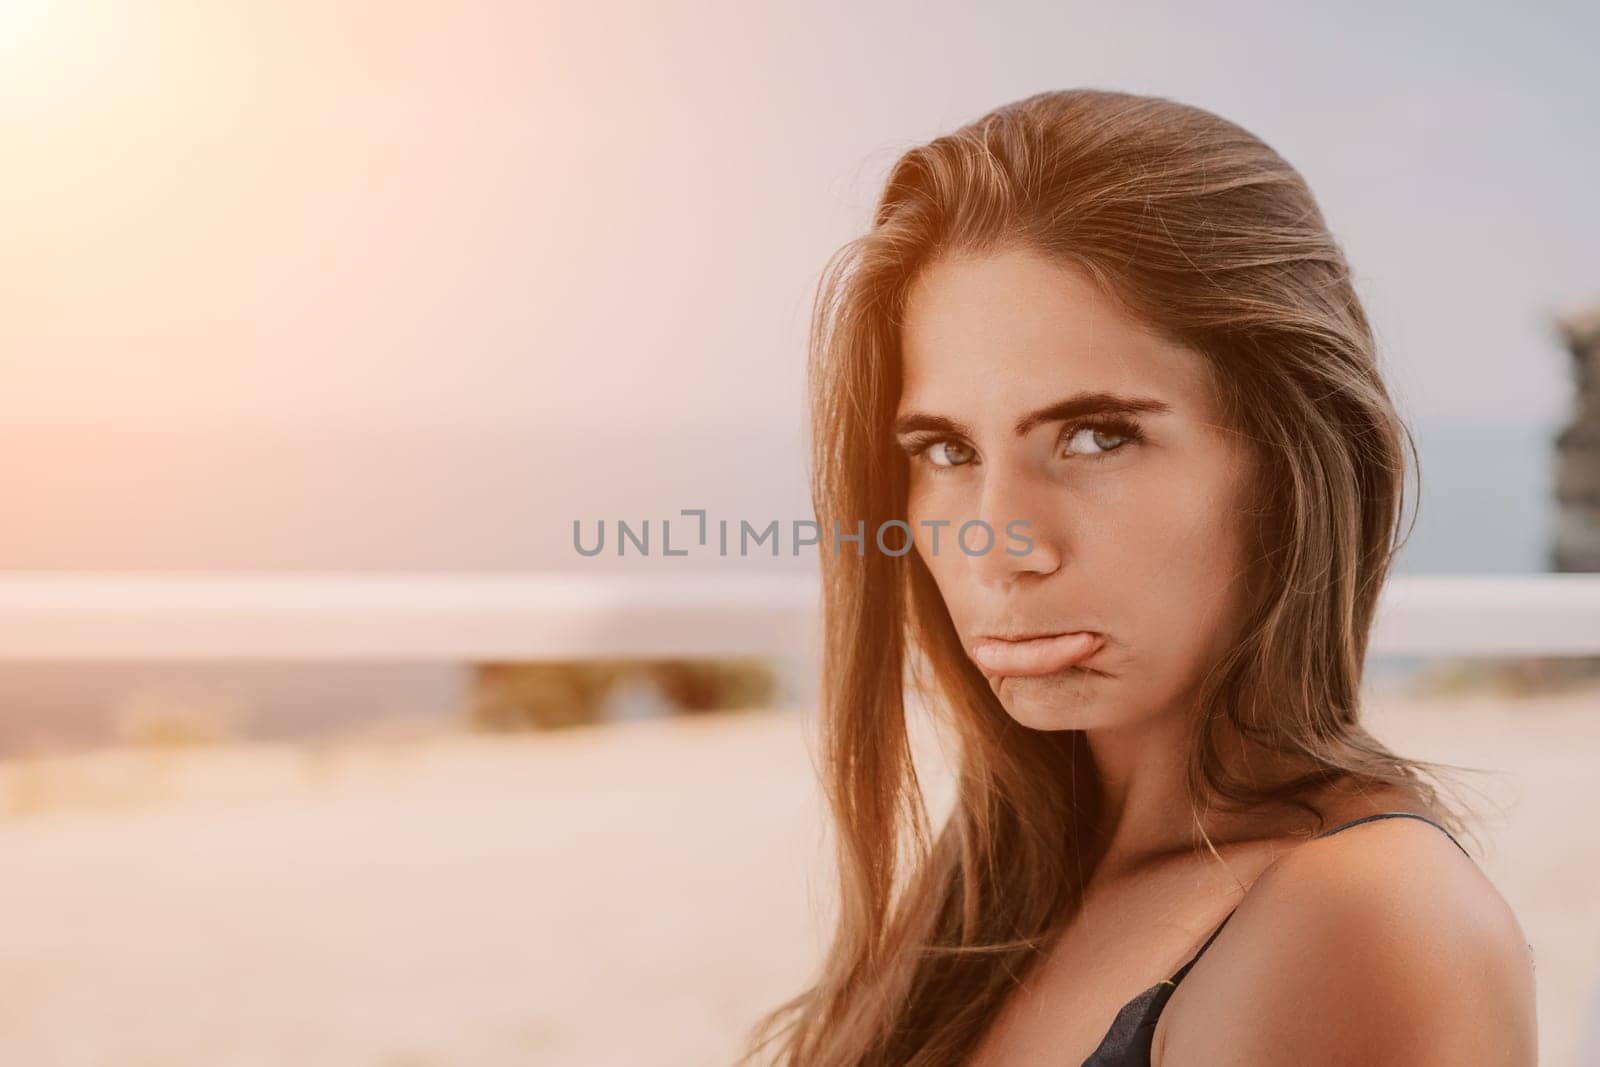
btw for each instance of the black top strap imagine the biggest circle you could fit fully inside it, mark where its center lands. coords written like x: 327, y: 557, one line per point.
x: 1394, y: 815
x: 1325, y: 833
x: 1176, y: 978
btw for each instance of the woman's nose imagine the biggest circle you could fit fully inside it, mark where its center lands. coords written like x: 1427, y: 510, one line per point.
x: 1020, y: 536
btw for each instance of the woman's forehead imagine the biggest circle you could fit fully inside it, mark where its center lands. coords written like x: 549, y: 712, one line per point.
x: 1005, y: 330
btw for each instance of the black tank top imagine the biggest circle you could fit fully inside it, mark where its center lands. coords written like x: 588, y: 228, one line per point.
x: 1127, y: 1043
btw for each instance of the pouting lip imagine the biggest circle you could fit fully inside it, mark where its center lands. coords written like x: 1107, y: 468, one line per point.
x: 1041, y: 651
x: 1031, y: 635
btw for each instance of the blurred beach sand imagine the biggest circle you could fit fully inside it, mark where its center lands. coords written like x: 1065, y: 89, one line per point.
x: 633, y: 894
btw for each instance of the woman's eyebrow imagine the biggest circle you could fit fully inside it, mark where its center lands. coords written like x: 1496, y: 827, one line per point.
x: 1076, y: 406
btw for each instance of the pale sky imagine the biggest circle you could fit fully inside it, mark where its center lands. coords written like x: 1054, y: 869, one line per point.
x: 512, y: 213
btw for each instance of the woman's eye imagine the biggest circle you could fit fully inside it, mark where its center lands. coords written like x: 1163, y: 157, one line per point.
x: 948, y: 454
x: 1090, y: 441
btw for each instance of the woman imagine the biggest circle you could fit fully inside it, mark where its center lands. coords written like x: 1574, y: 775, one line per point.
x: 1114, y: 332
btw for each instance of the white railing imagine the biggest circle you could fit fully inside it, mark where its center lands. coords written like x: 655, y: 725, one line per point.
x: 417, y: 617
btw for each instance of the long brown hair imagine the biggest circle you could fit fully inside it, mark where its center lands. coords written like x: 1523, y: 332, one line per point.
x: 1202, y: 231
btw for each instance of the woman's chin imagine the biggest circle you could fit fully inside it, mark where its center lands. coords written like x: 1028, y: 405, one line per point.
x: 1061, y: 700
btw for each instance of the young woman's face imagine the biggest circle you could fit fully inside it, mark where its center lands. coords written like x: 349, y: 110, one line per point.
x: 1095, y: 452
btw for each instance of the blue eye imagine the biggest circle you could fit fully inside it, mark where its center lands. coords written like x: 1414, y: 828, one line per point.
x: 948, y: 453
x: 940, y: 453
x: 1090, y: 436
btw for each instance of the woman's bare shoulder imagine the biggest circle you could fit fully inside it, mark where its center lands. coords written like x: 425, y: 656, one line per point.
x: 1382, y: 943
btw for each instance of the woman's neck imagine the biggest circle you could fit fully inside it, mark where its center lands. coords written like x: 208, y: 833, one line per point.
x: 1144, y: 812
